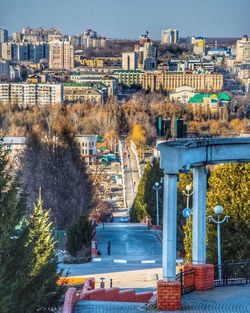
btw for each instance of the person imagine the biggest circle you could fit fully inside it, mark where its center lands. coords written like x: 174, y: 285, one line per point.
x: 109, y: 247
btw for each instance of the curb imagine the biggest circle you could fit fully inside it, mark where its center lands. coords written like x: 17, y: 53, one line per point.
x: 122, y: 261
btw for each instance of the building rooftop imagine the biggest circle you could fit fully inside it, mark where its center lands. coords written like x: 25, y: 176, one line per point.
x: 199, y: 97
x: 127, y: 71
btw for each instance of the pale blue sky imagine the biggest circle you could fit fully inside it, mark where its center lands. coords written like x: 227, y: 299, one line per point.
x: 130, y: 18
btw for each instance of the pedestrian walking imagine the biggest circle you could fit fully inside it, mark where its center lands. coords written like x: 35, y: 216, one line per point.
x: 109, y: 248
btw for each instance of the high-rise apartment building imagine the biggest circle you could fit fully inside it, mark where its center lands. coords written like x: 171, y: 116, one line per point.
x: 6, y: 51
x: 4, y: 70
x: 199, y: 45
x: 25, y: 51
x: 90, y: 39
x: 129, y: 60
x: 3, y: 35
x: 147, y: 56
x: 243, y: 49
x: 61, y: 54
x: 170, y: 36
x: 25, y: 94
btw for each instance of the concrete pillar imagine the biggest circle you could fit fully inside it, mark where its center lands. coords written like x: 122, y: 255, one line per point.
x: 199, y: 215
x: 169, y: 227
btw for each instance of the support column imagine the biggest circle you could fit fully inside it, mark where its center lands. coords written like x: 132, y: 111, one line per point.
x: 204, y: 273
x: 169, y: 227
x: 169, y: 290
x: 199, y: 215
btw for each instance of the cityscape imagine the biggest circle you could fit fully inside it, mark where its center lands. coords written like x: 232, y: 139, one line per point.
x: 124, y: 157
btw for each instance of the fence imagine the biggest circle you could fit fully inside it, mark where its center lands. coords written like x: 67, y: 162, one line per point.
x: 123, y: 179
x: 187, y: 280
x: 229, y: 274
x: 134, y: 149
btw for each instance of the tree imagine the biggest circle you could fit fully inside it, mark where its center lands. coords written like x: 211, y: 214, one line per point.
x: 56, y: 166
x: 79, y: 236
x: 138, y: 136
x: 145, y: 200
x: 229, y: 186
x: 41, y: 292
x: 13, y: 257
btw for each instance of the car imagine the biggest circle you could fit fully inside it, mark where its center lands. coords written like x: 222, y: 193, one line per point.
x: 124, y: 219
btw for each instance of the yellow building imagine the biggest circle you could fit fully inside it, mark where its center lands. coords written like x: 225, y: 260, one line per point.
x: 169, y: 81
x: 96, y: 62
x: 82, y: 92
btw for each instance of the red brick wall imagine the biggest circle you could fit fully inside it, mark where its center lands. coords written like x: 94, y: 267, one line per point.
x: 69, y: 300
x: 102, y: 294
x: 168, y: 295
x: 204, y: 276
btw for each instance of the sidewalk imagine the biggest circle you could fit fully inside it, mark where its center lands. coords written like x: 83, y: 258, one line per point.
x: 233, y: 299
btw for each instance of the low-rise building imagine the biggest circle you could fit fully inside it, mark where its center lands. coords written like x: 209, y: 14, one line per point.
x: 182, y: 94
x: 128, y: 78
x: 87, y: 77
x: 84, y: 92
x: 14, y: 144
x: 212, y: 101
x: 87, y: 144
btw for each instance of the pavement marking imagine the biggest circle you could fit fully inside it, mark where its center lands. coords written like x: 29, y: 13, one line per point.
x: 119, y: 261
x: 96, y: 259
x: 148, y: 261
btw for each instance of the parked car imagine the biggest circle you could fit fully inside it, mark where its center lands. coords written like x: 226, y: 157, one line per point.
x: 124, y: 219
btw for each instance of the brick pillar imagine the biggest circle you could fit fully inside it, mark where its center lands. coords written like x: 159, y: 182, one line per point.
x: 168, y: 295
x: 204, y: 276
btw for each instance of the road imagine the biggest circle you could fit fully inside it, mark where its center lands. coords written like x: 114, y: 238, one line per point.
x: 132, y: 243
x: 131, y: 174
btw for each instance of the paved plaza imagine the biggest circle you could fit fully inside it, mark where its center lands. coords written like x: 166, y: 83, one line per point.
x: 235, y: 299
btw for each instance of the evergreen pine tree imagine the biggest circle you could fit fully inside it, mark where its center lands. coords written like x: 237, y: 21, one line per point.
x: 41, y: 292
x: 145, y: 200
x: 13, y: 258
x: 79, y: 236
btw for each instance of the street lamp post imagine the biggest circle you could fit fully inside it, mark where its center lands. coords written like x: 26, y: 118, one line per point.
x: 218, y: 210
x: 188, y: 194
x: 157, y: 187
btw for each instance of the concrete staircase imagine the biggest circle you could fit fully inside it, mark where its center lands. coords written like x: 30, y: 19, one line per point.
x: 88, y: 293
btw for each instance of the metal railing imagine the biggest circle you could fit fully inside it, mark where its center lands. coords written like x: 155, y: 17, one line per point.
x: 232, y: 274
x: 187, y: 280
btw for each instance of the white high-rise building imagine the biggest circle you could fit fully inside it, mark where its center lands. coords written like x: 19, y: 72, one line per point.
x: 243, y: 49
x: 129, y: 60
x: 61, y: 54
x: 170, y: 36
x: 199, y: 45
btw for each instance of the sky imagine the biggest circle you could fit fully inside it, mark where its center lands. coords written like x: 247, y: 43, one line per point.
x: 130, y: 18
